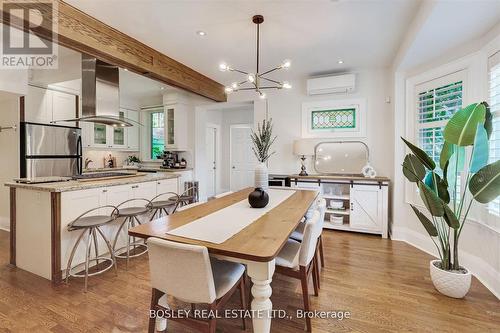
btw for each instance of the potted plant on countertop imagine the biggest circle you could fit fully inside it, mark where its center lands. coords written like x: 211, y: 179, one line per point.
x: 446, y: 204
x: 133, y: 160
x: 262, y: 142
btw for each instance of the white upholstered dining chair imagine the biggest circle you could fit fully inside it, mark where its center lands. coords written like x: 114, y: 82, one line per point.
x: 196, y: 279
x: 296, y: 260
x: 298, y: 234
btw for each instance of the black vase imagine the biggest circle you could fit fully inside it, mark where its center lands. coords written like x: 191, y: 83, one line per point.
x: 258, y: 198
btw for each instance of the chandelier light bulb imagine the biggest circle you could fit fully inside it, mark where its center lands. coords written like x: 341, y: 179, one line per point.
x: 255, y: 80
x: 286, y: 64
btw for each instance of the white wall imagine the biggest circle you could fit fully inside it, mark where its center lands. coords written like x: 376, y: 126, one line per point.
x: 9, y: 150
x: 285, y: 108
x: 480, y: 240
x: 224, y: 118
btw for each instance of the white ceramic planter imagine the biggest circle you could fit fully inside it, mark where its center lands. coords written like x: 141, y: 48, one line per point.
x: 262, y: 176
x: 451, y: 284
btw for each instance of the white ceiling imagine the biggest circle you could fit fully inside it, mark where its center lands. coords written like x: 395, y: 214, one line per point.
x: 313, y: 34
x: 449, y: 25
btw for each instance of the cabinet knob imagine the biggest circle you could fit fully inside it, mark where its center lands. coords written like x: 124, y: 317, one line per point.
x: 104, y: 191
x: 135, y: 186
x: 352, y: 205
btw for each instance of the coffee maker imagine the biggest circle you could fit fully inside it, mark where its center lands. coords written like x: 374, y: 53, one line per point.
x: 169, y: 159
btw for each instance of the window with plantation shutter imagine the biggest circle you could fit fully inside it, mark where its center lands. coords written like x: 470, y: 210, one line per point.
x: 435, y: 107
x: 437, y: 101
x: 494, y: 101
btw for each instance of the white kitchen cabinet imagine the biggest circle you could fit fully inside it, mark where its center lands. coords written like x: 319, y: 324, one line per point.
x: 109, y: 137
x: 177, y: 126
x: 63, y: 107
x: 133, y: 132
x: 37, y: 108
x: 45, y: 105
x: 167, y: 185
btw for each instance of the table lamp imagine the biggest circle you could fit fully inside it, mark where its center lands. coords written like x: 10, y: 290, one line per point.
x: 303, y: 148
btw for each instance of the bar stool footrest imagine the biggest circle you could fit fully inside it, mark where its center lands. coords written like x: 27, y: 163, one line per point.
x: 110, y: 261
x: 122, y: 252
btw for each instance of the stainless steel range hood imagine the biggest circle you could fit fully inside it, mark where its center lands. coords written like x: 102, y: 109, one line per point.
x: 101, y: 94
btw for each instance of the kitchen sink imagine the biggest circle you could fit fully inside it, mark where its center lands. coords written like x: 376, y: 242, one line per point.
x: 101, y: 175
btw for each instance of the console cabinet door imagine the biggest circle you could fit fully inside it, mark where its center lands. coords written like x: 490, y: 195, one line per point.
x: 366, y: 208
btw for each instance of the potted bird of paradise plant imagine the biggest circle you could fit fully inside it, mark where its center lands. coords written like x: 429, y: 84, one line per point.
x: 447, y: 205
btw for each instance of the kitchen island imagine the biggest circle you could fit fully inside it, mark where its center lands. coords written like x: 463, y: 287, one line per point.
x: 40, y: 213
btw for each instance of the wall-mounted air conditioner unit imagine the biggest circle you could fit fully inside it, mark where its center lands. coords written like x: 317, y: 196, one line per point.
x: 331, y: 84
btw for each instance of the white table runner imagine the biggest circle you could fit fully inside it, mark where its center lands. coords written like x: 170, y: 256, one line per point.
x: 223, y: 224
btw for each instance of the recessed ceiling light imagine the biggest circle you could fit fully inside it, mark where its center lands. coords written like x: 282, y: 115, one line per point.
x: 162, y: 88
x: 201, y: 33
x: 126, y: 70
x: 340, y: 61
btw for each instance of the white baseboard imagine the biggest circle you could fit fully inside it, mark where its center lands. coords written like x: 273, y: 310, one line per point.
x: 4, y: 223
x: 483, y: 271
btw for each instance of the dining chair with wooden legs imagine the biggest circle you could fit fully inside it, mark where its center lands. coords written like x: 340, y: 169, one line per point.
x: 296, y: 260
x: 187, y: 273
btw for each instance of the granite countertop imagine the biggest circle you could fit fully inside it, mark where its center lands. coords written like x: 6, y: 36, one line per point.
x: 75, y: 185
x: 341, y: 177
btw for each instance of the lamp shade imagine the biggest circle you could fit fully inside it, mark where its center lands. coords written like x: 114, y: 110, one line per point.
x: 303, y: 147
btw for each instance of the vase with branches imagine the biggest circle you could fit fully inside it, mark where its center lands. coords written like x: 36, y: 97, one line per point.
x: 262, y: 140
x: 448, y: 204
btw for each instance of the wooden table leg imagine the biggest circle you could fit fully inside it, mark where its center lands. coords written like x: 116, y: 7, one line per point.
x: 261, y: 274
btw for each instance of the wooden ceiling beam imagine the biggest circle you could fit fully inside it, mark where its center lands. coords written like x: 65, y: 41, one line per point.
x: 83, y: 33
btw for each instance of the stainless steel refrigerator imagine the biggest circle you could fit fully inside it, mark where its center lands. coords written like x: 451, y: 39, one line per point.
x: 50, y: 150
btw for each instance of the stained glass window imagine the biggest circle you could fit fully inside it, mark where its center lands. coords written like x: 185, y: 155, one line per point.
x: 332, y: 119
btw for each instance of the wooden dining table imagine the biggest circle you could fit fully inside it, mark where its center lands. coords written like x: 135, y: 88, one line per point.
x: 256, y: 245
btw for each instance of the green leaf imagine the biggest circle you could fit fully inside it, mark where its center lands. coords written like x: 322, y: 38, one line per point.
x: 441, y: 187
x: 480, y: 153
x: 485, y: 184
x: 450, y: 218
x: 456, y: 165
x: 488, y: 122
x: 421, y: 155
x: 413, y: 169
x: 431, y: 229
x: 446, y: 152
x: 461, y: 128
x: 433, y: 203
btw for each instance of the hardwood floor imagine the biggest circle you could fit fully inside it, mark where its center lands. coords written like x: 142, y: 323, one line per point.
x: 384, y: 284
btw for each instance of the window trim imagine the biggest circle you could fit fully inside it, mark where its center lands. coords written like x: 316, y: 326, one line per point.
x: 150, y: 132
x: 438, y: 77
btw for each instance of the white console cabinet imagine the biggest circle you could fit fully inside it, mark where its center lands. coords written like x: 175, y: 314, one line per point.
x: 353, y: 203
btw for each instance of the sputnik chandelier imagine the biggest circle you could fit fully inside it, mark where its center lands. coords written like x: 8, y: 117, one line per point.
x: 258, y: 81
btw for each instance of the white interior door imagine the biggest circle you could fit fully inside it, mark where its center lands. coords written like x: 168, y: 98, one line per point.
x: 242, y: 158
x: 211, y: 145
